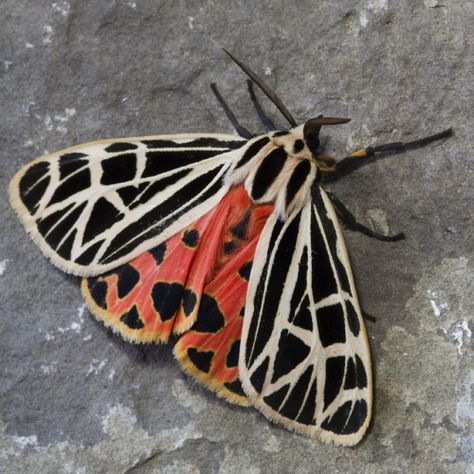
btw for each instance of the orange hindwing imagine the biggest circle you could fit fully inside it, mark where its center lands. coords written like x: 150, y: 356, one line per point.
x: 193, y: 284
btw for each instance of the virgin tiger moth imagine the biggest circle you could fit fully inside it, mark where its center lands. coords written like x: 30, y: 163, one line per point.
x: 229, y: 243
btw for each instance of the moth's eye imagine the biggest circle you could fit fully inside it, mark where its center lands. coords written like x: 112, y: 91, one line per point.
x: 298, y: 146
x: 313, y: 143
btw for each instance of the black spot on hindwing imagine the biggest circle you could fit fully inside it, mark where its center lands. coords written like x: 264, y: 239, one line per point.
x: 210, y: 317
x: 191, y: 238
x: 98, y: 291
x: 235, y: 387
x: 230, y: 246
x: 244, y: 270
x: 232, y: 359
x: 158, y: 253
x: 240, y: 230
x: 167, y: 298
x: 201, y: 359
x: 132, y: 319
x: 128, y: 277
x: 189, y: 301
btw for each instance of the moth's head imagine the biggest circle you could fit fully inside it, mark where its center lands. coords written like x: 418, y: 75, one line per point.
x: 312, y: 127
x: 303, y: 141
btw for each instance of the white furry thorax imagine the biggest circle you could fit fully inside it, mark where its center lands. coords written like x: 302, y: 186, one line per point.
x: 278, y: 186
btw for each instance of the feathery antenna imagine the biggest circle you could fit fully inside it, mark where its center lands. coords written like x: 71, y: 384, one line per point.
x: 266, y: 90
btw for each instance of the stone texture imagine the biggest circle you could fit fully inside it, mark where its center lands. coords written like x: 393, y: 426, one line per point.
x: 74, y: 397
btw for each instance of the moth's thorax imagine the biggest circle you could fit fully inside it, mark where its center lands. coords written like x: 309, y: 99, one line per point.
x: 276, y: 167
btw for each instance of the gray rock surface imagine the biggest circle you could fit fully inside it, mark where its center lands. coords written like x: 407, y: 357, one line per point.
x: 74, y: 397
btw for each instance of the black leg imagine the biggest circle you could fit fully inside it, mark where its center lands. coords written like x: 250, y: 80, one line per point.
x: 367, y: 155
x: 242, y: 131
x: 267, y: 122
x: 350, y: 222
x: 369, y: 317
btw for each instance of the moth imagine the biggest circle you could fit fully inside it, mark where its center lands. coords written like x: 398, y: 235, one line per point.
x: 231, y: 244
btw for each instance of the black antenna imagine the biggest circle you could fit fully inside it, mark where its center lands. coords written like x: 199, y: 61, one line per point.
x: 266, y: 90
x: 313, y: 126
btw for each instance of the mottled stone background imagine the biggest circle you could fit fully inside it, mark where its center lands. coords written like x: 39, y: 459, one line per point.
x: 74, y: 397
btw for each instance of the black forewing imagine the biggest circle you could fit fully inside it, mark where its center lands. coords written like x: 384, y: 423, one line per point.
x: 304, y: 358
x: 98, y: 205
